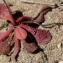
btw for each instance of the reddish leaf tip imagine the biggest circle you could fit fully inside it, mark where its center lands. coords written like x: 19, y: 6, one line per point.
x: 5, y: 13
x: 30, y: 47
x: 4, y: 35
x: 43, y: 36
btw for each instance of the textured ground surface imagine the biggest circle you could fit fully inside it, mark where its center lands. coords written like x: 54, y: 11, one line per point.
x: 53, y: 51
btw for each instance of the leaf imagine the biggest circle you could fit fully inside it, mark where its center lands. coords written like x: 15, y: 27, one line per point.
x: 23, y: 19
x: 30, y: 47
x: 5, y: 13
x: 16, y: 47
x: 4, y: 35
x: 20, y: 33
x: 41, y: 36
x: 5, y: 46
x: 40, y: 17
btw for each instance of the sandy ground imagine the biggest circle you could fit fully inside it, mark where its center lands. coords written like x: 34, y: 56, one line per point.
x: 53, y: 51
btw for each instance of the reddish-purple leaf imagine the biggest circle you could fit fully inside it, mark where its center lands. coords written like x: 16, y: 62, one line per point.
x: 23, y: 19
x: 30, y: 47
x: 45, y: 9
x: 4, y: 35
x: 16, y: 47
x: 6, y: 45
x: 5, y: 13
x: 20, y: 33
x: 40, y: 17
x: 41, y: 36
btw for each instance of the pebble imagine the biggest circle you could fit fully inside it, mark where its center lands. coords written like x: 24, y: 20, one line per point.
x: 59, y: 46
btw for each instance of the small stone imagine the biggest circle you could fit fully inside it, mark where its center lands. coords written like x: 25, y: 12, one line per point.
x: 59, y: 46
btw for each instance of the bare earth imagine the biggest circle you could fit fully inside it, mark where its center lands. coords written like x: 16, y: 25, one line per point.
x: 53, y: 51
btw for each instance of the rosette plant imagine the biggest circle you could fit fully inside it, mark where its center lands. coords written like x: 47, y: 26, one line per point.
x: 22, y: 30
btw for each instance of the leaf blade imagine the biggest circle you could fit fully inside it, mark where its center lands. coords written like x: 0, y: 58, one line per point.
x: 20, y: 33
x: 4, y: 35
x: 16, y: 47
x: 5, y: 13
